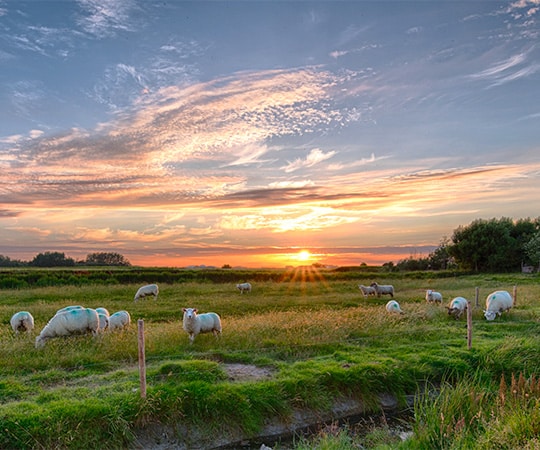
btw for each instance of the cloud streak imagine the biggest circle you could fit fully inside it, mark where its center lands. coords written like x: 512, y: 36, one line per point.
x: 314, y: 157
x: 511, y: 69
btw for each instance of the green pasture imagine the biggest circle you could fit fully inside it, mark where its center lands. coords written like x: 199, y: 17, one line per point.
x: 318, y: 337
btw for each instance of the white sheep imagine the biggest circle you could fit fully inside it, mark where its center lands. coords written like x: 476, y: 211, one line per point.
x: 66, y: 323
x: 69, y: 308
x: 496, y: 303
x: 367, y: 290
x: 243, y: 287
x: 103, y: 314
x: 119, y: 320
x: 103, y: 311
x: 22, y: 321
x: 144, y: 291
x: 103, y: 321
x: 393, y: 307
x: 194, y: 323
x: 386, y: 289
x: 433, y: 296
x: 457, y: 307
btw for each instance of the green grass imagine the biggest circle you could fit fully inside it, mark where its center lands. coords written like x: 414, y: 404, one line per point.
x: 319, y: 336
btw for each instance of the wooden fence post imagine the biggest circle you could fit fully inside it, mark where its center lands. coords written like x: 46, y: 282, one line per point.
x: 142, y: 361
x: 469, y: 325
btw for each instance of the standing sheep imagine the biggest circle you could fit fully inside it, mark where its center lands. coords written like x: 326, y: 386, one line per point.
x: 66, y: 323
x: 22, y: 321
x: 119, y: 320
x: 457, y: 307
x: 386, y: 289
x: 367, y: 290
x: 194, y: 323
x: 243, y: 287
x: 145, y: 291
x: 393, y: 307
x: 496, y: 303
x: 433, y: 296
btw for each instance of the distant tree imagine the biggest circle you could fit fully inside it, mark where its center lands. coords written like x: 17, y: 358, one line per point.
x: 440, y: 258
x: 6, y: 261
x: 494, y: 245
x: 226, y: 266
x: 532, y: 249
x: 52, y: 259
x: 411, y: 264
x: 106, y: 259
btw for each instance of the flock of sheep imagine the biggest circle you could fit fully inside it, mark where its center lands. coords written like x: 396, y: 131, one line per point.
x: 73, y: 320
x: 496, y: 303
x: 80, y: 320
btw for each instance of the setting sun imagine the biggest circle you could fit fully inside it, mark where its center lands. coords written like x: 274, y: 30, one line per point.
x: 304, y: 255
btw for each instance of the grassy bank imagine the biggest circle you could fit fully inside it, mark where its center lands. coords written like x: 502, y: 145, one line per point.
x: 317, y: 337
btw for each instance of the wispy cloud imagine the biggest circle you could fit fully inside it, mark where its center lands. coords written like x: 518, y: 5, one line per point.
x: 510, y: 69
x: 339, y: 53
x: 314, y: 157
x: 174, y: 131
x: 248, y: 154
x: 104, y: 18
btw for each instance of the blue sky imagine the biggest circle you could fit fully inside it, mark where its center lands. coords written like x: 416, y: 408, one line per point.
x: 240, y: 133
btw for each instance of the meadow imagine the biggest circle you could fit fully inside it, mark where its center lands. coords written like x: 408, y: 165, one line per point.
x: 316, y: 338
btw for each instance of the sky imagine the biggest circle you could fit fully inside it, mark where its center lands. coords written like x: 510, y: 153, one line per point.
x: 264, y: 133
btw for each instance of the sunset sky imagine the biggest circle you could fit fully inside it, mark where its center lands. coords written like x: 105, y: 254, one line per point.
x: 184, y: 133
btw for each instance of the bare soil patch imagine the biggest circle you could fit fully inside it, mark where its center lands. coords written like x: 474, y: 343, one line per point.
x: 247, y: 372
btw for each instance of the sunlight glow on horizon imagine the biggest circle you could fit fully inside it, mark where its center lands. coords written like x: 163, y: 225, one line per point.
x: 304, y: 255
x: 276, y: 260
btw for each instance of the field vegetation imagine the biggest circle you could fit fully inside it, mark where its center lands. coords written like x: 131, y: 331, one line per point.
x: 313, y: 333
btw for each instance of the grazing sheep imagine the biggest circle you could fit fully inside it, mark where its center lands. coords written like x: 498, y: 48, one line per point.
x: 367, y: 290
x: 386, y: 289
x: 243, y: 287
x: 103, y: 321
x: 145, y: 291
x: 194, y: 323
x: 66, y: 323
x: 496, y: 303
x: 119, y: 320
x: 433, y: 296
x: 69, y: 308
x: 393, y: 307
x: 22, y: 321
x: 103, y: 311
x: 457, y: 307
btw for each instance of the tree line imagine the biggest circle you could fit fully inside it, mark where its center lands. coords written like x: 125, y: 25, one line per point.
x: 494, y: 245
x: 58, y: 259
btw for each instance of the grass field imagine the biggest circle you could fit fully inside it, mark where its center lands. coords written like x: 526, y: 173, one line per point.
x: 317, y: 337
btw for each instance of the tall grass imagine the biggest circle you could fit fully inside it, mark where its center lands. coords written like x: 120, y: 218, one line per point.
x: 320, y: 339
x: 473, y: 414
